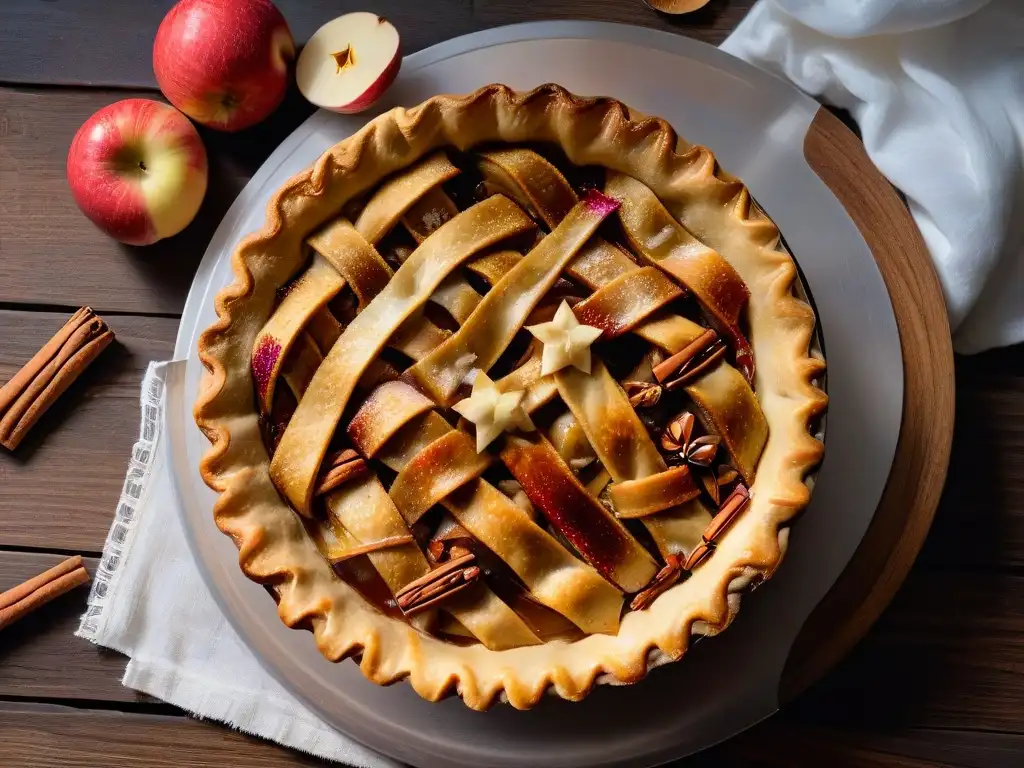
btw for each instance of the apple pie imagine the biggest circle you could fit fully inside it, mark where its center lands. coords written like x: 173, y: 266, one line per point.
x: 513, y: 393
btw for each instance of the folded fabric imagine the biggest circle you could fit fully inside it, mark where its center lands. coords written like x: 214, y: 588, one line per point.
x: 937, y: 89
x: 149, y: 601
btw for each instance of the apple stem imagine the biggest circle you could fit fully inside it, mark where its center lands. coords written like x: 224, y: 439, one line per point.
x: 344, y: 58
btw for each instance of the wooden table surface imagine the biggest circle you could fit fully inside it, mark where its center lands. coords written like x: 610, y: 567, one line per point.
x: 938, y: 681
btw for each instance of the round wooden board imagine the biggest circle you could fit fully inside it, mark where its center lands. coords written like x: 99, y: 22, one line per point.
x: 912, y: 492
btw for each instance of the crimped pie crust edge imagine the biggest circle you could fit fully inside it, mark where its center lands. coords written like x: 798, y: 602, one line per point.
x: 273, y: 545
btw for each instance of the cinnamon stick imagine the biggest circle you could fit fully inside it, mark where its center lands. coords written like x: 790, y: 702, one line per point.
x: 38, y: 591
x: 25, y: 398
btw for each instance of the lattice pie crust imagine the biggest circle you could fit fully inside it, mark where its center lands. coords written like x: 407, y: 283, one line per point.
x: 594, y: 509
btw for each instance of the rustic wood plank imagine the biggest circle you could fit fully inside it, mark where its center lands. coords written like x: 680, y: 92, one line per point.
x: 85, y: 43
x: 51, y: 254
x: 82, y: 42
x: 946, y: 654
x: 41, y: 658
x: 923, y: 667
x: 777, y: 742
x: 908, y: 504
x: 39, y: 736
x: 59, y: 488
x: 52, y: 736
x: 980, y: 521
x: 711, y: 24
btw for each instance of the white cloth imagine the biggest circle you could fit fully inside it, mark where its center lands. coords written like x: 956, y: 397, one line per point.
x: 150, y: 602
x: 937, y: 88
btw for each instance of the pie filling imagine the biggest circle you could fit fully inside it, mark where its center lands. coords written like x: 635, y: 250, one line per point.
x: 510, y: 407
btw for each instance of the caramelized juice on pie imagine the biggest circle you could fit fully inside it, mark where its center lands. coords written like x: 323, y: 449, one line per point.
x: 445, y: 285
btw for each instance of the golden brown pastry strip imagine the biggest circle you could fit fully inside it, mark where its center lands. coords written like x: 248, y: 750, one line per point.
x: 374, y: 546
x: 553, y: 488
x: 655, y: 493
x: 341, y: 256
x: 494, y: 266
x: 386, y: 410
x: 615, y: 432
x: 571, y: 441
x: 332, y: 542
x: 502, y: 312
x: 297, y: 459
x: 428, y: 213
x: 367, y: 273
x: 664, y: 242
x: 628, y: 300
x: 553, y: 576
x: 621, y: 442
x: 536, y: 184
x: 338, y: 549
x: 301, y: 364
x: 599, y: 482
x: 669, y: 332
x: 457, y: 297
x: 305, y: 296
x: 599, y: 263
x: 728, y: 407
x: 678, y: 530
x: 530, y: 180
x: 353, y: 258
x: 398, y: 194
x: 540, y: 188
x: 417, y: 337
x: 364, y: 510
x: 325, y: 329
x: 449, y: 462
x: 540, y: 390
x: 361, y: 512
x: 410, y: 443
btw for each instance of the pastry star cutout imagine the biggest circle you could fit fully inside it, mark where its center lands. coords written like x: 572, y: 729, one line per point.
x: 492, y: 411
x: 566, y: 341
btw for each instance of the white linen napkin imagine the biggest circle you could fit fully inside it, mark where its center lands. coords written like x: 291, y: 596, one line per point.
x: 937, y: 88
x: 150, y: 602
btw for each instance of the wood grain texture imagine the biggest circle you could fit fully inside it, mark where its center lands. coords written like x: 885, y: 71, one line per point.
x: 784, y: 742
x: 51, y: 254
x: 82, y: 42
x: 711, y: 24
x: 980, y: 521
x: 59, y: 488
x: 947, y: 654
x: 908, y: 504
x: 52, y: 736
x: 41, y: 658
x: 923, y: 667
x: 39, y: 735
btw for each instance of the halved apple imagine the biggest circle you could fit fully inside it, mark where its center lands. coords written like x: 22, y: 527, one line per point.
x: 349, y: 62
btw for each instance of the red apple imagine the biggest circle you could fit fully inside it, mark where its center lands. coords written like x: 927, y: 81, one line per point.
x: 224, y: 63
x: 349, y: 62
x: 137, y: 169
